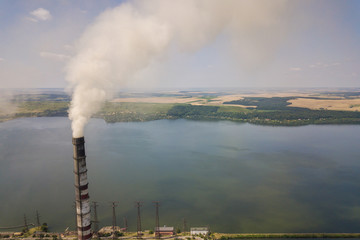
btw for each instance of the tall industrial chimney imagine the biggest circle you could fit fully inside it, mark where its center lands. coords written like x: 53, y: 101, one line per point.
x: 81, y: 190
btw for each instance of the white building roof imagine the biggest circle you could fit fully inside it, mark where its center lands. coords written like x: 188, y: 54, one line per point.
x: 199, y: 229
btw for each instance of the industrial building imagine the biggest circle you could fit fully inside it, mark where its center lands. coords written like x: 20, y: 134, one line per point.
x: 199, y: 231
x: 163, y: 231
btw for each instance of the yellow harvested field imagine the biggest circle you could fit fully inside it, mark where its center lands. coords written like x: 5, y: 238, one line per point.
x: 218, y: 104
x: 288, y: 94
x: 341, y: 104
x: 226, y: 98
x: 193, y: 100
x: 282, y: 94
x: 157, y: 100
x: 334, y: 104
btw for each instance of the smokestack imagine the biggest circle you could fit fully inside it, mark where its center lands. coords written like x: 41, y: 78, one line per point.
x: 81, y: 190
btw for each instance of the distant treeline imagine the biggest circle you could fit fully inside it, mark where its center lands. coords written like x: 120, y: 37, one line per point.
x: 261, y: 103
x: 288, y: 117
x: 347, y: 95
x: 59, y: 97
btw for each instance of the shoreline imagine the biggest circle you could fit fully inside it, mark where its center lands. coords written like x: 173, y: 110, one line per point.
x: 186, y: 236
x: 286, y: 235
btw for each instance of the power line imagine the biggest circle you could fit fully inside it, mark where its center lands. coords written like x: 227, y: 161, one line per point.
x: 20, y: 226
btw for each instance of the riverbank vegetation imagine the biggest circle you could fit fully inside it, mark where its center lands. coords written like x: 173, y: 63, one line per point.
x: 273, y: 111
x: 187, y: 236
x: 288, y: 117
x: 139, y: 112
x: 225, y: 236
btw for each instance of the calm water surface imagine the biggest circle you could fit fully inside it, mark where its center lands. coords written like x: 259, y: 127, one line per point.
x: 229, y: 176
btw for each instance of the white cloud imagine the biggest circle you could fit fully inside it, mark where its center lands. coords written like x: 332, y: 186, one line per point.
x: 54, y: 56
x: 295, y: 69
x: 31, y: 19
x: 1, y: 59
x: 68, y: 47
x: 319, y: 65
x: 40, y: 14
x: 324, y: 65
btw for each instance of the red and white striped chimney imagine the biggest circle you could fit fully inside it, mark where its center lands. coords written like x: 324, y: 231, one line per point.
x: 81, y: 190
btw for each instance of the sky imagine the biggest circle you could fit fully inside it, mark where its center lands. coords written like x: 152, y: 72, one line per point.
x: 306, y: 43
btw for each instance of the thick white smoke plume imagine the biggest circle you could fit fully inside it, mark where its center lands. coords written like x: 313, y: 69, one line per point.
x: 128, y: 38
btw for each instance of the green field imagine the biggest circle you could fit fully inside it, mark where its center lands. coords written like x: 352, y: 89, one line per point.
x: 134, y: 112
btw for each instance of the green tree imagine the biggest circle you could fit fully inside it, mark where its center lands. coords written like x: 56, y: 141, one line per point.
x: 44, y: 227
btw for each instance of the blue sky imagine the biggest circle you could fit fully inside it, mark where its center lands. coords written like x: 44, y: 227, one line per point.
x: 319, y: 48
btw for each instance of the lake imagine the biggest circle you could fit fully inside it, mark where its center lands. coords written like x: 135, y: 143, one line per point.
x: 232, y: 177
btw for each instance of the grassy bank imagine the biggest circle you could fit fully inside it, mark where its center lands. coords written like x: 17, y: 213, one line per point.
x: 224, y: 236
x: 213, y: 236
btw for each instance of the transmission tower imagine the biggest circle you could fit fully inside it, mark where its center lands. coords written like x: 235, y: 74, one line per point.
x: 37, y: 218
x: 184, y: 225
x: 138, y: 206
x: 125, y: 224
x: 157, y: 223
x: 114, y: 205
x: 95, y: 221
x: 25, y: 224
